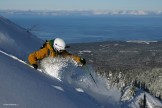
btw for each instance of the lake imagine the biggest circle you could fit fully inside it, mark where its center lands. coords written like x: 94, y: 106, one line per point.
x: 79, y: 29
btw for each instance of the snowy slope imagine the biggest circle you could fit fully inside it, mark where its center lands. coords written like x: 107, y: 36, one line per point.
x: 16, y: 40
x: 129, y: 101
x: 24, y: 87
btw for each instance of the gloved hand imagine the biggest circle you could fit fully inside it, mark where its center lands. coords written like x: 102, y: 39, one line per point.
x: 83, y: 61
x: 35, y: 66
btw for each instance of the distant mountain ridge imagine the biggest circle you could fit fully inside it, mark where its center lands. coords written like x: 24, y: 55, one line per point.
x: 80, y: 12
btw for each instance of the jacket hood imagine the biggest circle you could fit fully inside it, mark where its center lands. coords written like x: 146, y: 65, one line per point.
x: 51, y: 43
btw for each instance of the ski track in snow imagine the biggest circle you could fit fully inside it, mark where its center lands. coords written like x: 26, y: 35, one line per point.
x: 58, y: 87
x: 79, y: 90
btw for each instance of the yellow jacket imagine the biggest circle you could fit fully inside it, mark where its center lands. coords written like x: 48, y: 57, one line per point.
x: 48, y: 51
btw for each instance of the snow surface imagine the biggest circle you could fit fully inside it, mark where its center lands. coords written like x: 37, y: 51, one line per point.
x: 129, y: 101
x: 16, y: 40
x: 60, y: 83
x: 27, y: 88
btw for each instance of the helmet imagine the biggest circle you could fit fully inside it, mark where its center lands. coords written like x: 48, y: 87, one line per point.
x: 59, y: 44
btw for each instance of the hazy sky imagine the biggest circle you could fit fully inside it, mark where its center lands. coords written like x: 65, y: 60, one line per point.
x: 81, y: 4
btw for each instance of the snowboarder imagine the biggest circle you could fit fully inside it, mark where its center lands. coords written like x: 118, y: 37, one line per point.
x: 53, y: 48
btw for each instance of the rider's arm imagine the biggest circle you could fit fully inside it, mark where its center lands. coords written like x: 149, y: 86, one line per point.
x: 74, y: 57
x: 37, y: 55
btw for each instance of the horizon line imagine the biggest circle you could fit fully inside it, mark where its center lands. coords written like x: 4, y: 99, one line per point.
x: 72, y: 10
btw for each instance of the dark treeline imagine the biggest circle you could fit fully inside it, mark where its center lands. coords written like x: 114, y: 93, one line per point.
x: 136, y: 61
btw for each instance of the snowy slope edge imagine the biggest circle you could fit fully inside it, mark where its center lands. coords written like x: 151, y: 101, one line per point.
x: 16, y: 40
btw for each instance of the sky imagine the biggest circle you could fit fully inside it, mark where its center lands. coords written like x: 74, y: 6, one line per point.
x: 81, y: 4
